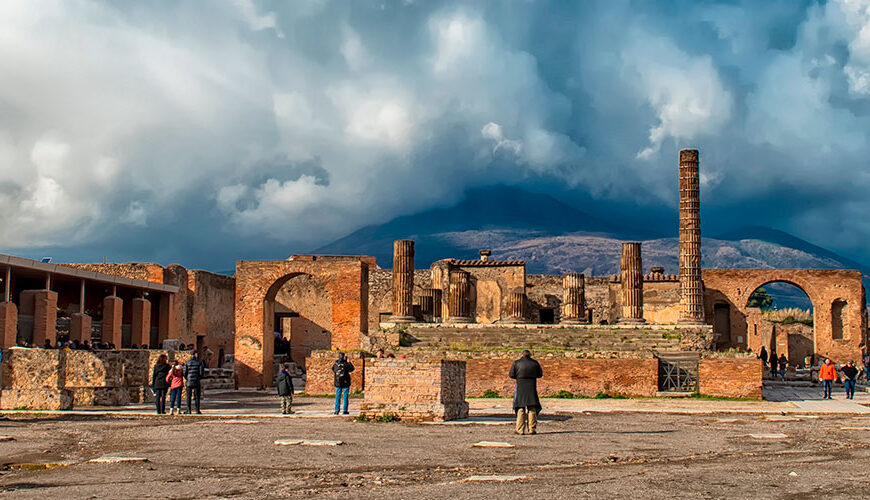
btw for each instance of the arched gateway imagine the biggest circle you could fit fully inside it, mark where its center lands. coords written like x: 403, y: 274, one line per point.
x: 257, y: 283
x: 837, y: 297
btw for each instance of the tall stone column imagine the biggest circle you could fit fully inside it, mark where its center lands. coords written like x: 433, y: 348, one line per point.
x: 44, y: 317
x: 80, y: 326
x: 631, y: 268
x: 403, y: 281
x: 141, y: 324
x: 458, y: 297
x: 691, y: 287
x: 113, y: 308
x: 515, y: 307
x: 430, y: 304
x: 573, y: 299
x: 8, y: 324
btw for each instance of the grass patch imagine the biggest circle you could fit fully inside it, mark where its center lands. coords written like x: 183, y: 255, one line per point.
x: 698, y: 395
x: 563, y: 394
x: 672, y: 335
x: 380, y: 419
x: 604, y: 395
x: 489, y: 393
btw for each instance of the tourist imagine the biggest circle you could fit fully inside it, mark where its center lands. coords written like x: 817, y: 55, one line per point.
x: 380, y: 354
x: 341, y: 369
x: 181, y: 347
x: 867, y: 365
x: 526, y: 371
x: 773, y: 358
x: 763, y: 356
x: 207, y: 355
x: 159, y: 383
x: 827, y: 374
x: 285, y: 389
x: 176, y: 382
x: 47, y: 344
x: 193, y: 373
x: 850, y: 376
x: 783, y: 364
x: 134, y: 346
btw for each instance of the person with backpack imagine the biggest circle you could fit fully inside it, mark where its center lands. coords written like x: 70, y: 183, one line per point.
x: 783, y: 365
x: 285, y: 390
x: 850, y: 376
x: 159, y: 384
x: 194, y: 371
x: 342, y: 369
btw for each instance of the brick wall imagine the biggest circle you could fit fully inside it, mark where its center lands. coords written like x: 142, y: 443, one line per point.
x: 319, y: 376
x: 735, y: 378
x: 415, y: 389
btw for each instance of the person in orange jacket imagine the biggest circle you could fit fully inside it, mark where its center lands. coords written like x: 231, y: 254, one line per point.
x: 828, y: 374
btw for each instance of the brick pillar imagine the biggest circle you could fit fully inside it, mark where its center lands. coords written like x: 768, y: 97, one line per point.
x: 573, y: 299
x: 632, y: 283
x: 167, y: 327
x: 80, y: 327
x: 403, y: 281
x: 8, y: 324
x: 691, y: 287
x: 113, y: 309
x: 458, y: 297
x: 44, y: 317
x: 141, y: 324
x: 515, y: 307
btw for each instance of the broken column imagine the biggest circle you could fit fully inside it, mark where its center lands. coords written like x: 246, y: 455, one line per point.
x: 458, y: 297
x: 430, y: 304
x: 44, y: 317
x: 691, y: 288
x: 113, y: 308
x: 515, y: 307
x: 141, y: 324
x: 632, y: 283
x: 403, y: 281
x: 80, y: 326
x: 573, y: 299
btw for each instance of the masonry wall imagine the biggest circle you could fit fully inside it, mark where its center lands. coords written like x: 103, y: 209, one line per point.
x: 213, y: 316
x: 735, y: 378
x: 415, y: 389
x: 381, y: 293
x: 319, y: 376
x: 489, y: 288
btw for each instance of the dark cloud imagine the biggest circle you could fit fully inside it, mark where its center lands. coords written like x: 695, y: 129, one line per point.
x: 171, y: 132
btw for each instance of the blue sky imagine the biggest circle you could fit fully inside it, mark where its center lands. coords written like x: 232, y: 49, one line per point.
x: 201, y: 133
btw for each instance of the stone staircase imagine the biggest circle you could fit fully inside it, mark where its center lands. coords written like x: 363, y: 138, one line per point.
x: 590, y: 339
x: 218, y: 379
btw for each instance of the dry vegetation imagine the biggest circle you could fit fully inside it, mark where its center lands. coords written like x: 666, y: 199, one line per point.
x: 789, y: 315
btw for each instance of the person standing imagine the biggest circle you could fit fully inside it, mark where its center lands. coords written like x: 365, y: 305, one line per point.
x: 773, y: 359
x: 867, y: 365
x: 159, y: 383
x: 827, y: 374
x: 526, y: 371
x: 763, y: 356
x: 285, y: 390
x: 176, y: 382
x: 341, y: 369
x: 193, y: 373
x: 850, y: 376
x: 783, y: 364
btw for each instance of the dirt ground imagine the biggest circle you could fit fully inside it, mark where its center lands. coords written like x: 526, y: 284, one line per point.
x: 582, y: 454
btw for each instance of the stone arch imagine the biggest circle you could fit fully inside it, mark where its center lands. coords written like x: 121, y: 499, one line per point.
x: 822, y: 286
x: 303, y: 306
x: 257, y: 285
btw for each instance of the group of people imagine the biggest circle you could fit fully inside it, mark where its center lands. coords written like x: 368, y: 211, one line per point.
x: 173, y: 378
x: 778, y: 365
x: 828, y: 375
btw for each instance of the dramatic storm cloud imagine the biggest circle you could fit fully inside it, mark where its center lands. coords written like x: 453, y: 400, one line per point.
x: 204, y: 132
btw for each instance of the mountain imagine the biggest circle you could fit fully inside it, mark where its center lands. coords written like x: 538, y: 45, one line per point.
x: 554, y: 237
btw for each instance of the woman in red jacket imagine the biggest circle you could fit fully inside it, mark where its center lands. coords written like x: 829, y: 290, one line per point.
x: 176, y: 382
x: 827, y: 374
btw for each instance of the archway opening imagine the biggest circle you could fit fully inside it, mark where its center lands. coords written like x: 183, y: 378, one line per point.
x: 780, y: 318
x: 298, y: 315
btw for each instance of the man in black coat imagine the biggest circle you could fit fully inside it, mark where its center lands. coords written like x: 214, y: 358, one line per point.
x: 194, y: 371
x: 284, y: 385
x: 526, y: 371
x: 341, y: 369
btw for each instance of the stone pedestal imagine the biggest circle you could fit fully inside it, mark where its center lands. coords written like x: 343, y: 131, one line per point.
x: 415, y: 389
x: 403, y: 281
x: 573, y: 299
x: 458, y: 297
x: 44, y: 317
x: 113, y: 308
x: 140, y: 325
x: 515, y: 308
x: 8, y: 324
x: 80, y: 327
x: 691, y: 287
x: 631, y: 269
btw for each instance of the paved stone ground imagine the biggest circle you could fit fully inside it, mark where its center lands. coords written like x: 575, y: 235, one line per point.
x: 620, y: 454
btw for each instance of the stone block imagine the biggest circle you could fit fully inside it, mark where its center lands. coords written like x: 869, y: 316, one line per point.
x: 733, y: 378
x: 140, y: 324
x: 80, y: 327
x: 8, y: 324
x: 113, y: 308
x: 44, y: 317
x: 36, y: 399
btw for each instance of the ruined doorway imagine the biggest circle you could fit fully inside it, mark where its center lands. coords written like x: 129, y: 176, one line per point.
x: 302, y: 310
x: 548, y: 316
x: 781, y: 318
x: 721, y: 320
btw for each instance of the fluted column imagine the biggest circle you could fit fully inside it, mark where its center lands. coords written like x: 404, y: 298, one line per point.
x: 403, y: 281
x: 691, y: 288
x: 458, y: 297
x: 573, y: 299
x: 515, y: 307
x: 430, y: 304
x: 632, y: 283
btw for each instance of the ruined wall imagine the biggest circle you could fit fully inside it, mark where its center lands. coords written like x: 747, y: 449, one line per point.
x: 307, y: 297
x: 381, y: 293
x: 733, y: 378
x: 320, y: 379
x: 544, y: 291
x: 661, y: 301
x: 415, y: 389
x: 134, y: 270
x: 489, y: 283
x: 212, y: 311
